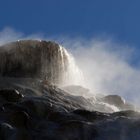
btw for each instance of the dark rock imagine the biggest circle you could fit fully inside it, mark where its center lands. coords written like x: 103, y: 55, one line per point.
x: 119, y: 128
x: 60, y: 117
x: 23, y: 134
x: 12, y: 107
x: 77, y: 130
x: 37, y: 108
x: 57, y: 115
x: 6, y: 131
x: 19, y: 119
x: 93, y: 116
x: 46, y: 130
x: 10, y: 95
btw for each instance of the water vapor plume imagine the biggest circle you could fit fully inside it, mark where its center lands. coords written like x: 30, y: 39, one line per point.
x: 8, y: 35
x: 107, y: 66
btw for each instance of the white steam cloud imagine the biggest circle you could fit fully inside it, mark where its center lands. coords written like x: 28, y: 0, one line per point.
x: 106, y: 65
x: 8, y: 35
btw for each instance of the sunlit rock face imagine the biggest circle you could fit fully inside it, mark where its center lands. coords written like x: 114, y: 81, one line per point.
x: 32, y: 58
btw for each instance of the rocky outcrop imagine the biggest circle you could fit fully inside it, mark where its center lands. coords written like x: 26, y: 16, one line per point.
x: 47, y: 112
x: 10, y: 95
x: 117, y: 101
x: 32, y: 108
x: 114, y: 100
x: 33, y: 59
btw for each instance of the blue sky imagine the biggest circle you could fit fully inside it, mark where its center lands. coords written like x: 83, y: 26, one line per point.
x: 119, y: 19
x: 87, y: 19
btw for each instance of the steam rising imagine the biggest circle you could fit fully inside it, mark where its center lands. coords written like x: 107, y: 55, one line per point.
x: 106, y: 67
x: 105, y: 64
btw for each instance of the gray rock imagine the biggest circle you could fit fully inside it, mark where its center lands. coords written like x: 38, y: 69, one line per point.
x: 114, y: 100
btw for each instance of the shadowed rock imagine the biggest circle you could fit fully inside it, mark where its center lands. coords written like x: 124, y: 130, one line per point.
x: 10, y: 95
x: 57, y: 115
x: 19, y: 119
x: 6, y: 131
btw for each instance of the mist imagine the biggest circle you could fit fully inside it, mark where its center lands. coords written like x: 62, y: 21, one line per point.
x: 9, y: 34
x: 107, y: 65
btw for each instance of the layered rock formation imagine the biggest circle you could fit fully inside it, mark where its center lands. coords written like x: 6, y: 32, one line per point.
x: 33, y: 108
x: 36, y: 59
